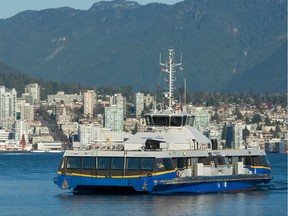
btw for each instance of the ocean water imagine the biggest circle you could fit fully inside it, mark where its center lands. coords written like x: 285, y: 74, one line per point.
x: 27, y: 188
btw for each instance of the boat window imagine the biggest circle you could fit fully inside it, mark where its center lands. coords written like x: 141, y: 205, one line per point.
x: 228, y: 161
x: 62, y: 163
x: 184, y: 120
x: 117, y: 163
x: 190, y: 120
x: 257, y: 161
x: 148, y: 120
x: 73, y: 162
x: 163, y: 164
x: 161, y: 120
x: 133, y: 163
x: 204, y: 160
x: 176, y: 121
x: 265, y: 161
x: 167, y: 163
x: 179, y: 162
x: 88, y: 162
x: 103, y: 162
x: 248, y: 161
x: 147, y: 163
x: 219, y: 160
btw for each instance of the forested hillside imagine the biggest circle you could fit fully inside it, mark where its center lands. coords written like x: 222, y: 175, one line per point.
x: 227, y: 45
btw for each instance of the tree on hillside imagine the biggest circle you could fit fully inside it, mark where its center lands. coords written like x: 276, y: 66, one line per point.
x: 246, y: 133
x: 256, y: 119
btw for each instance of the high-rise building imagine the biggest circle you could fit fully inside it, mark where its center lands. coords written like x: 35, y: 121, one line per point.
x: 202, y: 118
x: 234, y: 133
x: 119, y: 101
x: 33, y: 89
x: 8, y: 102
x: 139, y: 99
x: 21, y: 128
x: 89, y: 101
x: 26, y: 111
x: 114, y: 118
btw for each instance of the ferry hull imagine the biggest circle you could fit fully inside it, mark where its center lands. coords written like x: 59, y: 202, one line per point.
x: 157, y: 186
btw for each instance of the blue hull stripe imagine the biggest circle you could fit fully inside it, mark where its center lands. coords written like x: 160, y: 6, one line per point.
x: 167, y: 182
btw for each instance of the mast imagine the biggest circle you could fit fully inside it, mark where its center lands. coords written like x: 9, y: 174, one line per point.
x: 169, y: 67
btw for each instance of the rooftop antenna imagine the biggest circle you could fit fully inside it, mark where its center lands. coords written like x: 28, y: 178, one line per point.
x: 169, y: 67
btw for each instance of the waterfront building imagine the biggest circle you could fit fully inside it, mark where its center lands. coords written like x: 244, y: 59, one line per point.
x: 4, y: 135
x: 139, y: 100
x: 114, y: 118
x: 89, y: 101
x: 21, y: 127
x: 42, y: 138
x: 8, y: 101
x: 47, y: 146
x: 87, y: 134
x: 33, y: 89
x: 94, y: 135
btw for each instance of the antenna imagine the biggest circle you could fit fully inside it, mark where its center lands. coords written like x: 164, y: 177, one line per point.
x: 185, y: 91
x: 169, y: 67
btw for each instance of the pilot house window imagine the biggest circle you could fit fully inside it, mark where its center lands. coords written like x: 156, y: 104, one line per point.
x: 74, y: 162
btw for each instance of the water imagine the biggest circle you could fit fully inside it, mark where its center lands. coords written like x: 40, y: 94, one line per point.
x: 27, y: 188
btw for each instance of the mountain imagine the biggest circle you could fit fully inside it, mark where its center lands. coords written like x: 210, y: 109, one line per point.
x: 227, y: 45
x: 12, y: 78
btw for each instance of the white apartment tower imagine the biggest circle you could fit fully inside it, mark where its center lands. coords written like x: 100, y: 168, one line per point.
x: 114, y: 118
x: 202, y: 117
x: 8, y: 102
x: 89, y: 101
x: 21, y: 128
x: 26, y: 111
x: 139, y: 104
x: 33, y: 89
x: 119, y: 101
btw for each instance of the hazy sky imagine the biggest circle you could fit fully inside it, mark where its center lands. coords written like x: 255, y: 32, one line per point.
x: 9, y: 8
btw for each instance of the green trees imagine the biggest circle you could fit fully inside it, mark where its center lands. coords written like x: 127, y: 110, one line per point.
x: 256, y: 119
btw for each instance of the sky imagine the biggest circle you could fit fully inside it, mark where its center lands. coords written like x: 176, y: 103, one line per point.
x: 10, y: 8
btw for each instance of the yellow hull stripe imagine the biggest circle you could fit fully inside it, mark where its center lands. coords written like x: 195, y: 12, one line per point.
x: 126, y: 176
x: 261, y: 167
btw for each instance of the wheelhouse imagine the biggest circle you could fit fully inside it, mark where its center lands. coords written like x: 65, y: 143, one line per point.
x: 169, y: 119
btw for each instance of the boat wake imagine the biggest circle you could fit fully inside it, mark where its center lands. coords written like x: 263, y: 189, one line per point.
x: 274, y: 186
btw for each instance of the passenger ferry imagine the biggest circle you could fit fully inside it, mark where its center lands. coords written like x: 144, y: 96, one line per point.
x: 171, y: 156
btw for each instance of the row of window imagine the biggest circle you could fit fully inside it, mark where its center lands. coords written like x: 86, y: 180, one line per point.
x: 116, y: 163
x: 169, y: 120
x: 137, y: 163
